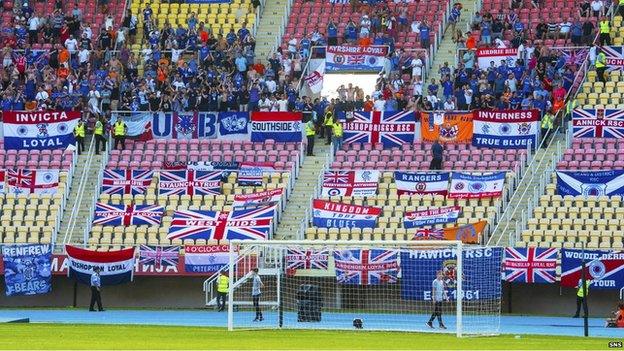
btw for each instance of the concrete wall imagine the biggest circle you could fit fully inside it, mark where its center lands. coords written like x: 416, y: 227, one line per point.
x: 186, y: 292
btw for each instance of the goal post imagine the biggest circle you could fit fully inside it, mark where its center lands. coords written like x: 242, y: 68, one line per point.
x: 420, y: 286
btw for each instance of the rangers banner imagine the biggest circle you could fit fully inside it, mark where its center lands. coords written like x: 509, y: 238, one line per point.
x: 243, y: 224
x: 315, y: 79
x: 446, y: 127
x: 126, y: 181
x: 327, y: 214
x: 434, y: 216
x: 355, y: 58
x: 189, y: 182
x: 470, y: 186
x: 506, y: 56
x: 590, y: 183
x: 481, y: 273
x: 615, y: 57
x: 27, y: 269
x: 189, y: 125
x: 202, y: 165
x: 350, y: 183
x: 392, y: 129
x: 366, y: 266
x: 206, y: 258
x: 530, y: 264
x: 598, y: 123
x: 233, y: 125
x: 159, y: 256
x: 39, y: 130
x: 262, y: 198
x: 605, y: 269
x: 297, y: 259
x: 505, y: 129
x: 32, y: 182
x: 116, y: 266
x: 252, y: 173
x: 468, y: 233
x: 278, y: 126
x: 420, y: 183
x: 114, y: 215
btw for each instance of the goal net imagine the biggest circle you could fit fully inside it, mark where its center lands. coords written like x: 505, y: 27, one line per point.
x: 370, y: 285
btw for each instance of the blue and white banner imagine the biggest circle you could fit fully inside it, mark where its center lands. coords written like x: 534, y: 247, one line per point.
x: 590, y: 183
x: 432, y: 216
x: 355, y: 58
x: 505, y: 129
x: 27, y: 269
x: 39, y: 130
x: 116, y: 267
x: 471, y: 186
x: 170, y: 125
x: 481, y: 273
x: 278, y: 126
x: 327, y: 214
x: 205, y: 258
x: 420, y: 183
x: 233, y: 125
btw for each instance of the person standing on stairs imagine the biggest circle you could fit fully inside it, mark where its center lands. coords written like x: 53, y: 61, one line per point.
x: 310, y: 133
x: 328, y: 125
x: 79, y: 133
x: 454, y: 17
x: 98, y: 133
x: 337, y: 134
x: 547, y: 126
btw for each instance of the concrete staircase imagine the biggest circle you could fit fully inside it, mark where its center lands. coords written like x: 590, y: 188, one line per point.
x: 447, y: 50
x: 269, y: 27
x: 507, y: 227
x: 83, y: 214
x: 299, y: 201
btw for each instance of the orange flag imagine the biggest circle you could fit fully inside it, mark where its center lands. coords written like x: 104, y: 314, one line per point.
x: 468, y: 233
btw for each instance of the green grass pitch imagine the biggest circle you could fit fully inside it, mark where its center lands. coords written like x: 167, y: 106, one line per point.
x: 80, y: 336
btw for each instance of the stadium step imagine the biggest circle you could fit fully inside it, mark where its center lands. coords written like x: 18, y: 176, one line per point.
x: 84, y: 208
x: 269, y: 28
x: 299, y: 200
x: 447, y: 50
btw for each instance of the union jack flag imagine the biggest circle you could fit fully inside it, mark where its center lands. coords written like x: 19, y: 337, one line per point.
x: 531, y: 264
x: 244, y: 224
x: 126, y: 181
x: 355, y: 59
x: 113, y: 215
x: 429, y: 234
x: 598, y: 123
x: 306, y: 259
x: 159, y: 256
x: 614, y: 56
x: 392, y: 129
x: 366, y: 266
x: 189, y: 182
x: 32, y: 181
x: 350, y: 183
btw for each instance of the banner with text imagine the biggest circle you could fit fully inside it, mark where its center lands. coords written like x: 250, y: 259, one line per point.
x: 432, y: 216
x: 590, y: 183
x: 327, y: 214
x: 598, y: 123
x: 27, y: 269
x: 39, y: 130
x: 507, y: 56
x: 420, y: 183
x: 605, y: 269
x: 505, y: 129
x: 470, y: 186
x: 278, y: 126
x: 349, y: 58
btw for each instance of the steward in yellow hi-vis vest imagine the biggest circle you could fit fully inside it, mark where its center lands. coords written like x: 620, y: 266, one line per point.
x: 223, y: 286
x: 119, y: 133
x: 79, y: 134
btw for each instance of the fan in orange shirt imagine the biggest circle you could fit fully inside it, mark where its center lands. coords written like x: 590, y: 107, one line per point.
x: 471, y: 42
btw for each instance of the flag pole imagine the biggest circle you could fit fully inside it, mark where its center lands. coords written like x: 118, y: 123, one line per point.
x: 584, y: 287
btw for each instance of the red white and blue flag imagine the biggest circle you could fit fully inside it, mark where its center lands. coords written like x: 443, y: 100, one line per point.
x: 113, y: 215
x: 530, y: 264
x: 189, y: 182
x: 262, y: 198
x: 614, y: 57
x: 350, y: 183
x: 433, y: 216
x: 42, y: 181
x: 471, y: 186
x: 116, y: 267
x: 243, y: 224
x: 605, y: 269
x: 306, y: 259
x: 409, y: 183
x: 327, y: 214
x: 366, y: 266
x: 126, y: 181
x: 598, y: 123
x: 392, y: 129
x: 159, y: 256
x: 252, y: 173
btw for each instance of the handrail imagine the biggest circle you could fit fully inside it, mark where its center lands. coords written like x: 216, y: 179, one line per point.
x: 94, y: 198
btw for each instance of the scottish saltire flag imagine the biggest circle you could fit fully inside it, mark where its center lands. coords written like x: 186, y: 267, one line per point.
x: 590, y: 183
x: 605, y: 269
x: 350, y: 183
x: 262, y: 198
x: 189, y: 182
x: 470, y: 186
x: 116, y: 267
x: 159, y: 256
x: 598, y: 123
x: 614, y: 56
x: 27, y: 269
x: 392, y: 129
x: 39, y: 130
x: 234, y: 124
x: 126, y: 181
x: 205, y: 258
x: 327, y: 214
x: 278, y: 126
x: 366, y: 266
x: 419, y: 183
x: 505, y: 129
x: 530, y: 264
x: 114, y: 215
x: 298, y: 258
x: 243, y: 224
x: 432, y: 216
x: 42, y: 181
